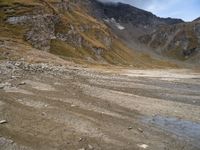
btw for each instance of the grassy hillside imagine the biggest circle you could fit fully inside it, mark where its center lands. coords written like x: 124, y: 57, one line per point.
x: 180, y: 41
x: 65, y: 29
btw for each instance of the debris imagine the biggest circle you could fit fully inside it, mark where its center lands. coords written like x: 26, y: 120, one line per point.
x: 144, y: 146
x: 3, y: 121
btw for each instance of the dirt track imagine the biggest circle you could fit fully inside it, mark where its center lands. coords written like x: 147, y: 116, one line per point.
x: 77, y: 108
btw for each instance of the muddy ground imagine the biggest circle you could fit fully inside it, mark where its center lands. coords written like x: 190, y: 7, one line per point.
x: 46, y: 107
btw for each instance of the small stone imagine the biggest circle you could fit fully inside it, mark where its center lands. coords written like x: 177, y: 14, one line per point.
x: 80, y: 139
x: 12, y: 77
x: 139, y: 129
x: 1, y: 86
x: 3, y: 121
x: 12, y: 142
x: 90, y: 146
x: 22, y: 83
x: 43, y: 114
x: 81, y: 149
x: 17, y: 64
x: 130, y: 128
x: 144, y: 146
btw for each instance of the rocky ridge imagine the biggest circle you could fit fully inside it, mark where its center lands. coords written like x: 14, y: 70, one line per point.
x: 167, y: 37
x: 178, y: 41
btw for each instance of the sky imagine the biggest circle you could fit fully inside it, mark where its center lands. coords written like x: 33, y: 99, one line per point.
x: 187, y: 10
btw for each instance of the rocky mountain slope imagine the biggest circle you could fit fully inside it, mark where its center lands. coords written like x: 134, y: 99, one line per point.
x: 93, y: 32
x: 198, y: 19
x: 180, y: 41
x: 64, y: 28
x: 128, y: 22
x: 142, y: 30
x: 127, y: 15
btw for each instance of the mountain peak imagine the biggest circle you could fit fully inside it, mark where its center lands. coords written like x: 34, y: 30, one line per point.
x: 197, y: 19
x: 127, y: 13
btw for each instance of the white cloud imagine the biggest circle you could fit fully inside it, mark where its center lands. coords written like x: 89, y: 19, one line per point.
x: 185, y: 9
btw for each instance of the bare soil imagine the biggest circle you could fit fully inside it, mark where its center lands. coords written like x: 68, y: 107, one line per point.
x: 76, y: 108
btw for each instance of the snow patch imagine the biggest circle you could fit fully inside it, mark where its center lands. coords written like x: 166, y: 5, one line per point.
x: 115, y: 23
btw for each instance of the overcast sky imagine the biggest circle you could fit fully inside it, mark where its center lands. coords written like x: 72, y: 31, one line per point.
x: 187, y: 10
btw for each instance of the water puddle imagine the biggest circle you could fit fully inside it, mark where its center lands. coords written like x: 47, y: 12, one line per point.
x: 187, y: 130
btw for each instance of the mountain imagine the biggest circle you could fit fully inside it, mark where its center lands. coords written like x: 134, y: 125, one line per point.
x: 198, y: 19
x: 66, y: 29
x: 128, y: 22
x: 127, y: 17
x: 142, y: 30
x: 127, y: 14
x: 181, y: 41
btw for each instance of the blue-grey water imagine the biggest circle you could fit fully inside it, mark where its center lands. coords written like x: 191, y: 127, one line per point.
x: 184, y: 129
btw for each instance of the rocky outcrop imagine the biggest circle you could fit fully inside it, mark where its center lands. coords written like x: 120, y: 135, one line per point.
x: 41, y: 28
x: 143, y: 30
x: 179, y: 41
x: 65, y: 28
x: 42, y: 31
x: 128, y: 22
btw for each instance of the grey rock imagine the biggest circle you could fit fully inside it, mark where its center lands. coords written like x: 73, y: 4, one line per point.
x: 3, y: 121
x: 22, y: 83
x: 139, y: 129
x: 90, y: 147
x: 130, y: 128
x: 81, y: 149
x: 2, y: 86
x: 18, y: 19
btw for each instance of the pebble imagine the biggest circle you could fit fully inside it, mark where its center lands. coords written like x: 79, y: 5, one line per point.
x: 81, y: 149
x: 3, y: 121
x: 144, y: 146
x: 12, y: 77
x: 90, y: 146
x: 139, y: 129
x: 73, y: 105
x: 130, y: 128
x: 43, y: 114
x: 80, y: 139
x: 22, y: 83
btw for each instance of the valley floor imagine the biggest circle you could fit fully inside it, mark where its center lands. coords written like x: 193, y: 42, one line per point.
x: 44, y: 107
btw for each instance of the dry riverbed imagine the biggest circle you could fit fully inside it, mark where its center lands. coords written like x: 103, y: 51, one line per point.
x: 44, y: 107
